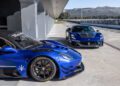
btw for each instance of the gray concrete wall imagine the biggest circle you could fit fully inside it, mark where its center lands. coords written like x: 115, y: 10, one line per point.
x: 45, y: 24
x: 33, y: 20
x: 14, y: 22
x: 41, y: 26
x: 35, y: 23
x: 29, y: 23
x: 50, y: 23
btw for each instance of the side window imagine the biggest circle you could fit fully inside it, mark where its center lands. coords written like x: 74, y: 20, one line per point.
x: 4, y: 42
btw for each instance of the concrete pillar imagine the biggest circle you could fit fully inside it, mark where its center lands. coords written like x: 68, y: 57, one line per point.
x: 29, y: 19
x: 35, y: 22
x: 45, y: 23
x: 14, y: 22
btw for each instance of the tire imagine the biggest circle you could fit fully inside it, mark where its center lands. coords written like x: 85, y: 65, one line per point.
x: 73, y: 43
x: 82, y: 67
x: 67, y: 35
x: 102, y: 43
x: 42, y: 69
x: 66, y: 38
x: 70, y: 42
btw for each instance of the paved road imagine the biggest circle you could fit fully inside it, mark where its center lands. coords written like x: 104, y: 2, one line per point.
x: 101, y: 65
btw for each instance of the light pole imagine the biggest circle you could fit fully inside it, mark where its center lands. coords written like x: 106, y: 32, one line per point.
x: 81, y: 13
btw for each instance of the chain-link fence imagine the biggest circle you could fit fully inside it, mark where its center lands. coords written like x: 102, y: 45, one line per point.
x: 97, y: 21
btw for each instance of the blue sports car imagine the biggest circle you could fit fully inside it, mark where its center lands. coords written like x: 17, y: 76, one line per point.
x: 21, y: 56
x: 84, y: 36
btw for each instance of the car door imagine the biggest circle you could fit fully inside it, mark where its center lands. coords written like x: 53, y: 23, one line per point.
x: 7, y: 57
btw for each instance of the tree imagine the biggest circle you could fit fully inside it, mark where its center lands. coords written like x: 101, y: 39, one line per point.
x: 64, y: 15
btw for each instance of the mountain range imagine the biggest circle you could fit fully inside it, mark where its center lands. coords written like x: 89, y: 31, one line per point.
x: 90, y: 12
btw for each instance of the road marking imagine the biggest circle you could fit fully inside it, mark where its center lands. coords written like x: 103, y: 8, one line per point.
x: 112, y: 46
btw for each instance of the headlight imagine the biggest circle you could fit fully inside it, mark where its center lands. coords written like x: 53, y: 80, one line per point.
x: 101, y: 35
x: 72, y: 36
x: 67, y: 57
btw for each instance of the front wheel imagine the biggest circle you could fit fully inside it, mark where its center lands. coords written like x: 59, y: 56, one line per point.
x: 42, y: 69
x: 102, y: 43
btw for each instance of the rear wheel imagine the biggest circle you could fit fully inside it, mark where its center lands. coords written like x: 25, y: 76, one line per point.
x: 42, y: 69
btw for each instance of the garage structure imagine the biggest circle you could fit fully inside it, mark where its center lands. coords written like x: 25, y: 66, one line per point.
x: 34, y: 18
x: 7, y: 8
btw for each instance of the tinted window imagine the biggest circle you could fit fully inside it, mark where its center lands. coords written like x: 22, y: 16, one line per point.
x: 82, y: 29
x: 25, y: 41
x: 4, y: 42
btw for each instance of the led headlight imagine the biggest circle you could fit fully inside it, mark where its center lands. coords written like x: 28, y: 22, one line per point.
x: 67, y: 57
x: 101, y: 35
x: 72, y: 36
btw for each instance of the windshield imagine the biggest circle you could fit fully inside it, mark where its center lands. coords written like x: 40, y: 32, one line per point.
x: 25, y: 41
x: 83, y: 29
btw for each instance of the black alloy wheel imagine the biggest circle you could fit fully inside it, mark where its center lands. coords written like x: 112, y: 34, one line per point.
x: 43, y: 69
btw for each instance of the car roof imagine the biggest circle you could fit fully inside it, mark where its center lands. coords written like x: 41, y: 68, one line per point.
x: 7, y: 35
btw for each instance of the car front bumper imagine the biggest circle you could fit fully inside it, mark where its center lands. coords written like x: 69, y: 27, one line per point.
x: 68, y: 69
x: 68, y: 72
x: 87, y: 43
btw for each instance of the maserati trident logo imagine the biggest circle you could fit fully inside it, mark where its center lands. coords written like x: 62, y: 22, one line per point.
x: 21, y: 68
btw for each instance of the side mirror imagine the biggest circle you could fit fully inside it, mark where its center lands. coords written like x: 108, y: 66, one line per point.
x: 97, y: 30
x: 68, y: 29
x: 9, y: 49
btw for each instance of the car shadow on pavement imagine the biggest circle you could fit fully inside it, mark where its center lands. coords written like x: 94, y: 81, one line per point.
x: 72, y: 75
x: 31, y: 80
x: 17, y: 79
x: 12, y: 79
x: 65, y: 42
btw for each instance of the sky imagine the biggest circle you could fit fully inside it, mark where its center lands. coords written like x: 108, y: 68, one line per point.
x: 92, y: 3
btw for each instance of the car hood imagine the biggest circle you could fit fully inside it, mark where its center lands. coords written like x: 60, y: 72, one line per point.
x: 51, y: 45
x: 85, y: 35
